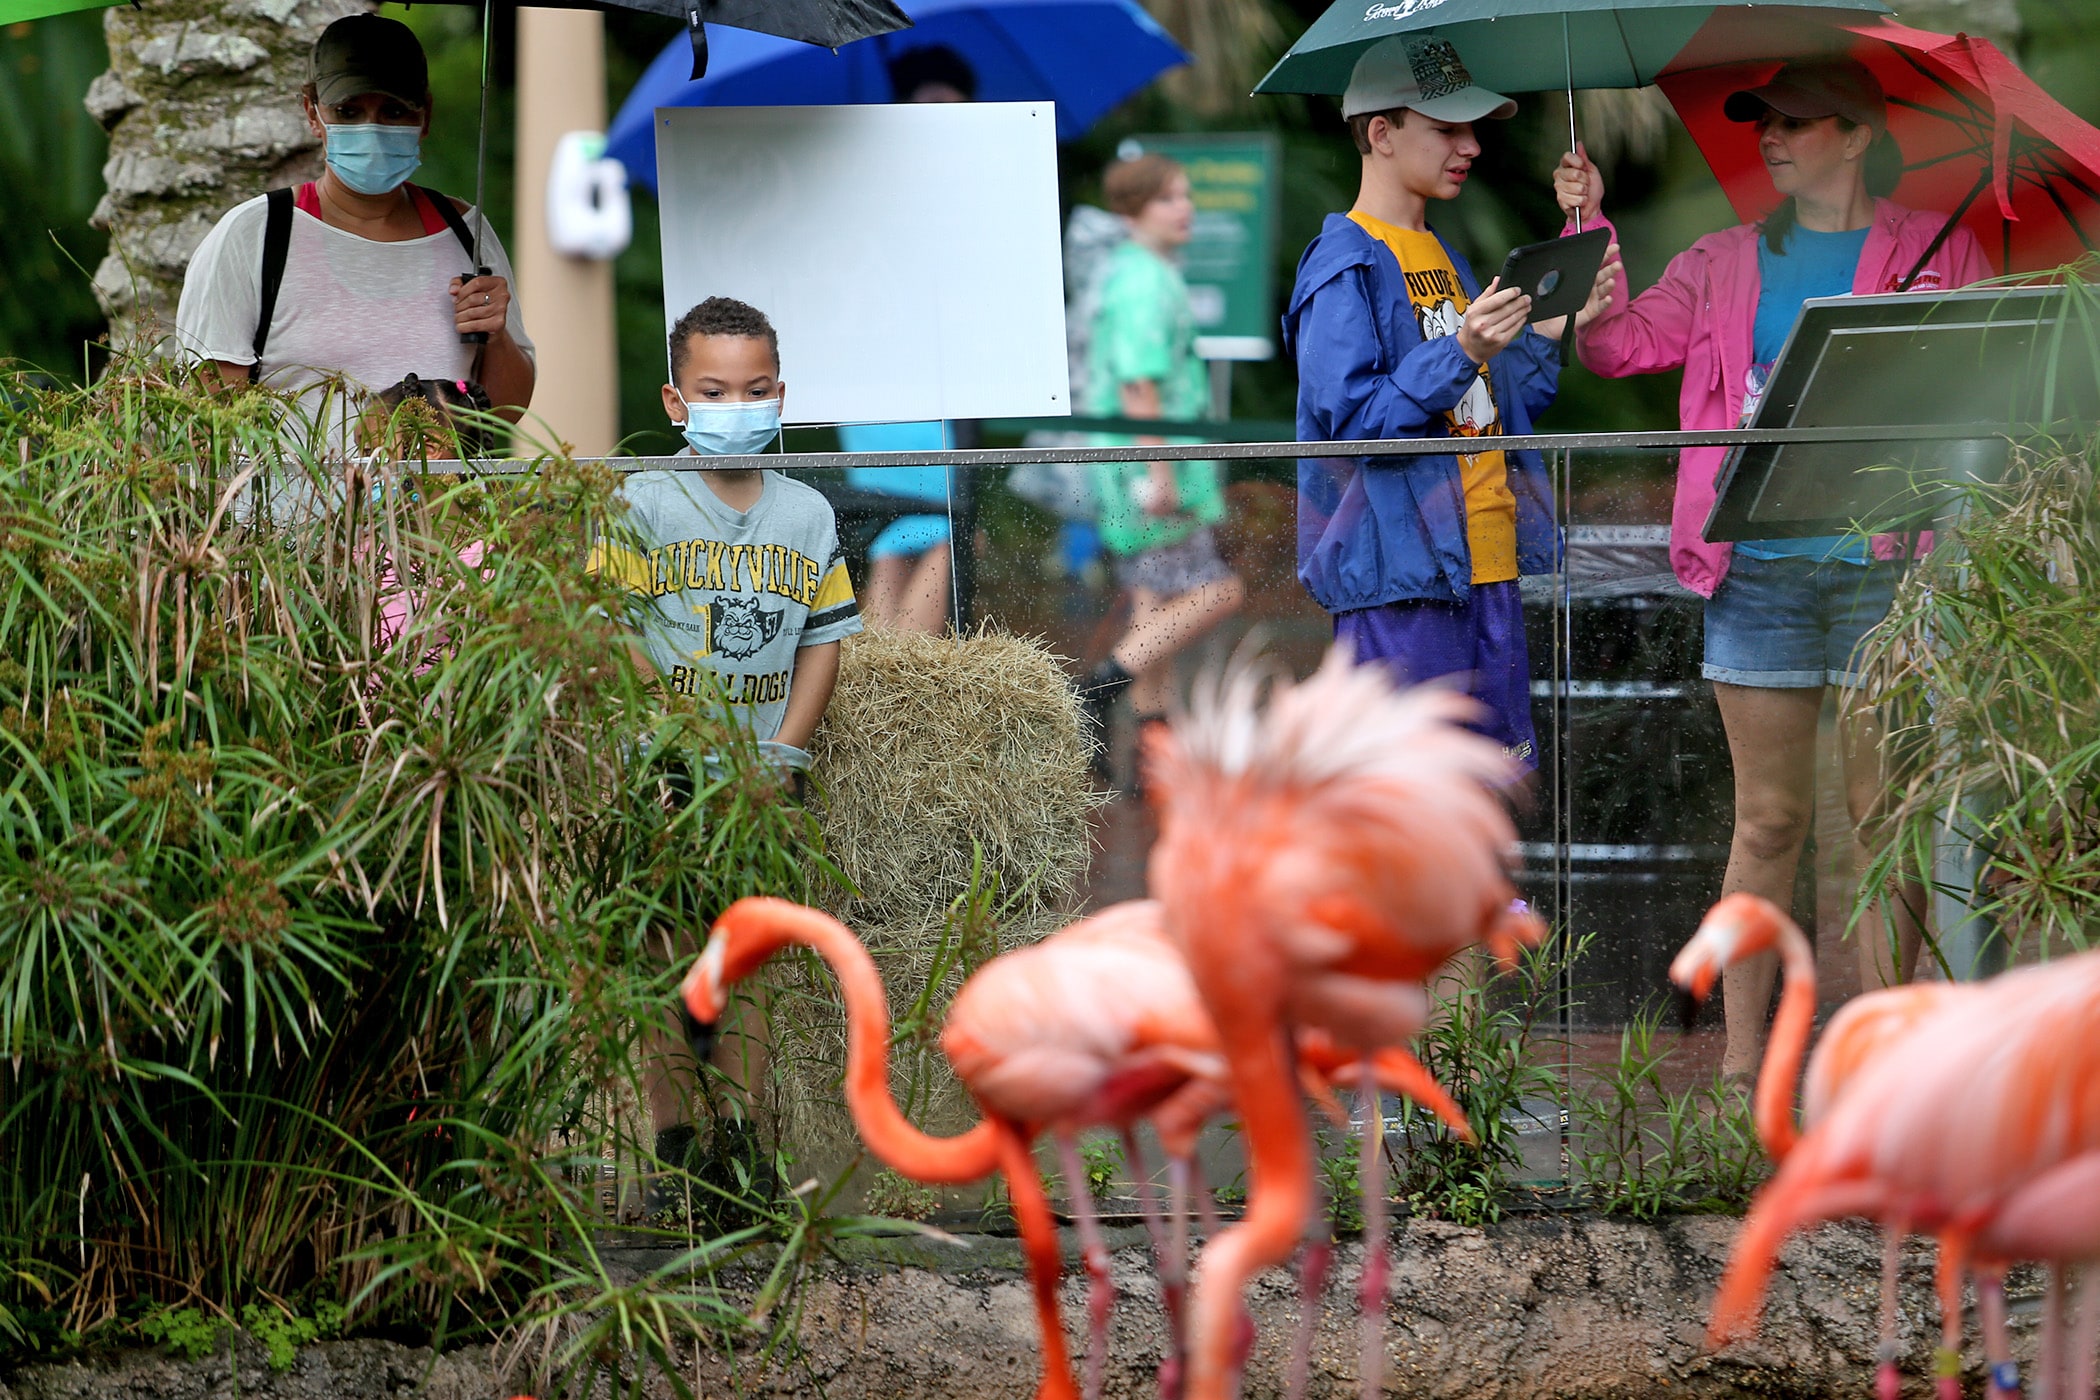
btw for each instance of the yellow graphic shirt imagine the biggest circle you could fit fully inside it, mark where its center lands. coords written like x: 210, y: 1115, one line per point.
x: 1440, y: 302
x: 728, y: 597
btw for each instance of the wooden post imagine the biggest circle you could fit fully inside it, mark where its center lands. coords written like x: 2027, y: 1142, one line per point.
x: 568, y: 302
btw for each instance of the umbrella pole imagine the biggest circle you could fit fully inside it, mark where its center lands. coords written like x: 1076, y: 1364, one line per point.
x: 481, y: 164
x: 1567, y: 54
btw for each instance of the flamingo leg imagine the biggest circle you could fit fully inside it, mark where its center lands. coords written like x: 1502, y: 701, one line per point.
x: 1312, y: 1282
x: 1265, y: 1090
x: 2003, y: 1372
x: 1207, y: 1218
x: 1946, y: 1362
x: 1172, y: 1266
x: 1024, y: 1188
x: 1370, y: 1295
x: 2085, y: 1337
x: 1101, y: 1291
x: 2049, y: 1366
x: 1888, y: 1381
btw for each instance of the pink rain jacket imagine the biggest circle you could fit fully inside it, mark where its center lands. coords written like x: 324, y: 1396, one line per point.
x: 1700, y: 316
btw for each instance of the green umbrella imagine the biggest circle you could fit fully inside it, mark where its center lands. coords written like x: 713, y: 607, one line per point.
x: 1526, y: 45
x: 15, y: 11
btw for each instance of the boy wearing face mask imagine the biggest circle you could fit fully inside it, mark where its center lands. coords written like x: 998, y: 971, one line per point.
x: 378, y: 281
x: 745, y: 580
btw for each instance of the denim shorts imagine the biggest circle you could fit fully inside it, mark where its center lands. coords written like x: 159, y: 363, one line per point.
x: 1170, y: 570
x: 1783, y: 624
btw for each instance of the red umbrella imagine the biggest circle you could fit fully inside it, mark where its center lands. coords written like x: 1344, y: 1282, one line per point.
x: 1980, y: 140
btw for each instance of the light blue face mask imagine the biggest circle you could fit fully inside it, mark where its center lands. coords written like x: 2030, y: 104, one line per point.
x: 373, y: 158
x: 731, y: 429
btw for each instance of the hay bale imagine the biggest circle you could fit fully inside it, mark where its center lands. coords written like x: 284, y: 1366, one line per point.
x: 935, y: 747
x: 936, y: 753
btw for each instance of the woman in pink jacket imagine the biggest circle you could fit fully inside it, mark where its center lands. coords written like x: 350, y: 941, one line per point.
x: 1783, y: 617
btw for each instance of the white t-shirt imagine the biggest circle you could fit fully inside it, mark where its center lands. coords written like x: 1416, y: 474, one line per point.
x: 370, y: 312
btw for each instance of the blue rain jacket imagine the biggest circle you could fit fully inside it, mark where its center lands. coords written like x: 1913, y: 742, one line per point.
x: 1377, y: 530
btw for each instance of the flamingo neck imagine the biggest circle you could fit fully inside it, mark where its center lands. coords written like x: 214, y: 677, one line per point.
x: 892, y: 1137
x: 1279, y: 1199
x: 1781, y: 1071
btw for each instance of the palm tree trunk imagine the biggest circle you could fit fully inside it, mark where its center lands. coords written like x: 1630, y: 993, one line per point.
x: 201, y: 102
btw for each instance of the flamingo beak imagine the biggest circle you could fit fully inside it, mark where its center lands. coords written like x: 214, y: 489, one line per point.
x: 701, y: 1035
x: 1687, y: 1003
x: 700, y: 999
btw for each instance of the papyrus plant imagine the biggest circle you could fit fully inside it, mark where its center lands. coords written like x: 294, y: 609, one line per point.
x: 341, y: 851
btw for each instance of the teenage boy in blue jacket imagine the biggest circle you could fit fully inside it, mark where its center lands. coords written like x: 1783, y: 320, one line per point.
x: 1417, y: 558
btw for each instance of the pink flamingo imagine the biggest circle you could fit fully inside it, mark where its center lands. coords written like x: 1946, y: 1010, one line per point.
x: 1097, y: 1025
x: 1313, y: 854
x: 1743, y: 925
x: 1947, y: 1129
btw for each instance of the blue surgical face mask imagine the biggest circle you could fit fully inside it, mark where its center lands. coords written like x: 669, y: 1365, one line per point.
x: 373, y: 158
x: 731, y: 429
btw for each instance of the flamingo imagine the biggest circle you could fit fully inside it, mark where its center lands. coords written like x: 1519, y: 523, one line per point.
x: 1096, y: 1025
x: 1743, y: 925
x: 2056, y: 1217
x: 1951, y: 1128
x: 1315, y: 853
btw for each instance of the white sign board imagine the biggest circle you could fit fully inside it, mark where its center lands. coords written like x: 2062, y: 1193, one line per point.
x: 907, y: 254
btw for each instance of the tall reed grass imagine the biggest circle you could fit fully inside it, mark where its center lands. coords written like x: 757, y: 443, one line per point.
x: 1988, y: 670
x: 343, y: 853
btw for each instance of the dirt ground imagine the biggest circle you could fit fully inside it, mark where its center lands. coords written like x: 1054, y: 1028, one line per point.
x: 1542, y: 1308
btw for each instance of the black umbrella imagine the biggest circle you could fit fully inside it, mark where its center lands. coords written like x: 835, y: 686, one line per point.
x: 830, y: 23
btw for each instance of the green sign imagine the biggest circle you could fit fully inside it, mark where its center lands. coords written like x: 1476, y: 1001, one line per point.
x: 1231, y: 258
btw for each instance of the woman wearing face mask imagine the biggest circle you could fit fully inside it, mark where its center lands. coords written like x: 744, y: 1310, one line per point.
x: 377, y: 281
x: 1783, y: 617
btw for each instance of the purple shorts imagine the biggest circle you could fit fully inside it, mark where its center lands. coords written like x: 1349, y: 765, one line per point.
x: 1481, y: 640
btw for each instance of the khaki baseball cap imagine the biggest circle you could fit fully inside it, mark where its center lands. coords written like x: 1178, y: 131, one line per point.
x: 369, y: 53
x: 1424, y: 72
x: 1809, y: 88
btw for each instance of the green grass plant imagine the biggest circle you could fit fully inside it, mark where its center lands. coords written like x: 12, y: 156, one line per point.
x: 1640, y: 1149
x: 1491, y: 1044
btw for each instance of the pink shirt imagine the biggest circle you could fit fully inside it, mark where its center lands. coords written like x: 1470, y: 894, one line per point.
x: 1700, y: 315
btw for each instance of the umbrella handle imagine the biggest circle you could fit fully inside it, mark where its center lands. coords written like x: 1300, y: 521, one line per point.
x: 477, y: 337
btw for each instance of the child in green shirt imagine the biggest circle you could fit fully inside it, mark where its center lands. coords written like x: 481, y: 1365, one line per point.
x: 1155, y: 517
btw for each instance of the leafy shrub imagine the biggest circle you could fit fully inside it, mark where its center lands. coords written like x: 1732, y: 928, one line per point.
x: 1988, y: 668
x: 339, y: 876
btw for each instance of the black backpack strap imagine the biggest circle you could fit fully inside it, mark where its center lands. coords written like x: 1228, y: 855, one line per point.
x: 458, y: 226
x: 456, y: 223
x: 277, y: 244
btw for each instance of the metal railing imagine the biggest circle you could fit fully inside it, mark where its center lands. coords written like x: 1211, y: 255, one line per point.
x: 1255, y: 451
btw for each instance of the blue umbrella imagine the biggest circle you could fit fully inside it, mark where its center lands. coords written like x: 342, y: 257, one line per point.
x: 1084, y: 55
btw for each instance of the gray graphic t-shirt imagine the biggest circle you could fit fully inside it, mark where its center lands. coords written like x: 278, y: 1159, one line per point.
x: 735, y: 593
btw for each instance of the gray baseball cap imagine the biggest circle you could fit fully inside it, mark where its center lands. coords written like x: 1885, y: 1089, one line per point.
x: 1424, y: 72
x: 369, y: 53
x: 1811, y: 88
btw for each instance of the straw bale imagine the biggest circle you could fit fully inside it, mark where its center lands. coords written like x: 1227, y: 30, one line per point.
x: 937, y: 747
x: 934, y: 752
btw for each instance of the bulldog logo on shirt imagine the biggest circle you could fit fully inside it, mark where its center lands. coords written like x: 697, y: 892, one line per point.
x: 739, y: 628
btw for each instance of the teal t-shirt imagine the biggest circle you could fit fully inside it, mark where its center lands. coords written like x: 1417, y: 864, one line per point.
x: 1144, y: 329
x: 1813, y: 265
